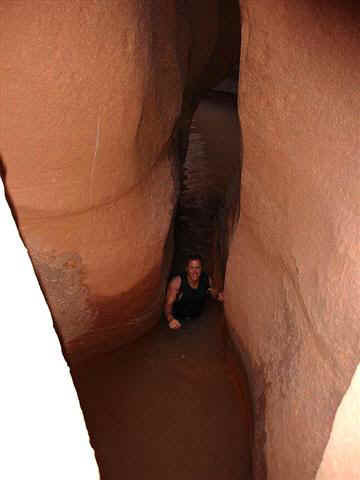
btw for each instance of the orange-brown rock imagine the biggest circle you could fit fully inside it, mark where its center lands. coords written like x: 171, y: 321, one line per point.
x: 90, y: 96
x: 96, y: 103
x: 292, y: 286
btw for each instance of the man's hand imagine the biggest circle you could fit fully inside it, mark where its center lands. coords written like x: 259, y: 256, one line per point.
x: 220, y: 296
x: 174, y: 324
x: 216, y: 295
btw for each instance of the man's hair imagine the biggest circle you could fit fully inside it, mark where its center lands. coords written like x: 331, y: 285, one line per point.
x: 193, y: 256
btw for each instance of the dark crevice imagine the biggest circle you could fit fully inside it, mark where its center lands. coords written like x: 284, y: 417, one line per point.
x: 209, y: 185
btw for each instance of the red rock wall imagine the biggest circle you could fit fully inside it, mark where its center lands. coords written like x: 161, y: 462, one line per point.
x: 85, y: 129
x: 91, y: 93
x: 292, y: 286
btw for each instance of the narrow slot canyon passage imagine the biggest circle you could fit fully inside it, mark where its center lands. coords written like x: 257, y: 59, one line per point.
x: 121, y: 151
x: 176, y: 404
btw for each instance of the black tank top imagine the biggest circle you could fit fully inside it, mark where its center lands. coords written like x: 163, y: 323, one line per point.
x: 191, y: 301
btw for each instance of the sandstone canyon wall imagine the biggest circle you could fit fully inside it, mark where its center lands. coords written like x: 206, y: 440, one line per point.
x: 91, y: 96
x: 94, y: 97
x: 85, y: 131
x: 292, y: 286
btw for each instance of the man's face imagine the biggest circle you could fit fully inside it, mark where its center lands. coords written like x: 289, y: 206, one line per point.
x: 194, y: 270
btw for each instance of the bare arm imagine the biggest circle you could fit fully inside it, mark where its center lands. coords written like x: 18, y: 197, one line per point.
x: 171, y: 295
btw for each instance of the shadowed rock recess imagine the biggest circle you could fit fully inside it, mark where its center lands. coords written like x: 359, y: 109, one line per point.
x: 118, y: 158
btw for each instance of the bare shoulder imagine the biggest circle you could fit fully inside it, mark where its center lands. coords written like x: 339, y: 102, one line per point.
x: 175, y: 282
x: 173, y: 289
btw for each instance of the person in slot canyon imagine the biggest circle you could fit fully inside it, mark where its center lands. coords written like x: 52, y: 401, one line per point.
x: 187, y: 293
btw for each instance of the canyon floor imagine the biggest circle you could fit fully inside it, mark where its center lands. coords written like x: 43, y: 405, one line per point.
x: 173, y: 404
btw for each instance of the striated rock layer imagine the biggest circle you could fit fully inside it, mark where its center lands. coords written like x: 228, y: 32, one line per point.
x: 91, y: 95
x: 292, y: 286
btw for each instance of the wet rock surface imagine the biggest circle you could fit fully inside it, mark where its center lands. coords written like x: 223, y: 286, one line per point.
x: 170, y: 405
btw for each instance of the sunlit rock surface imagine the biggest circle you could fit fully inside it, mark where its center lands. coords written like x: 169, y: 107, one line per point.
x: 341, y: 457
x: 43, y: 433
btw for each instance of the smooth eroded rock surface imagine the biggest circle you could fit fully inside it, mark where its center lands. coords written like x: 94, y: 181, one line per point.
x: 292, y: 284
x: 91, y: 93
x: 85, y: 132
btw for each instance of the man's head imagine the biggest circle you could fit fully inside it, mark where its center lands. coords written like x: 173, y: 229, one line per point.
x: 194, y: 267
